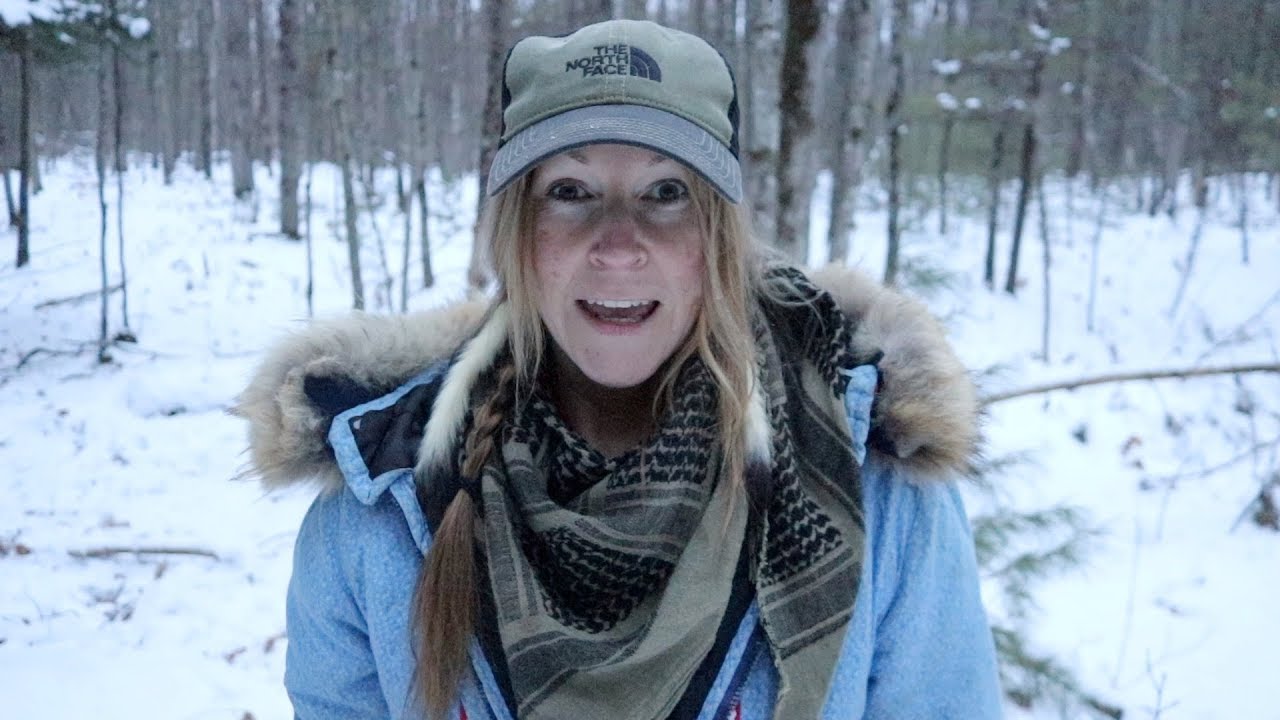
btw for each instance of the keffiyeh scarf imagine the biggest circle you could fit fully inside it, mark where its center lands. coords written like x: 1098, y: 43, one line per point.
x: 610, y: 576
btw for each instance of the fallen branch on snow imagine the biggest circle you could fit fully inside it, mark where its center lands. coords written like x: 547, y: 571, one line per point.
x: 106, y: 552
x: 1127, y: 377
x: 90, y: 295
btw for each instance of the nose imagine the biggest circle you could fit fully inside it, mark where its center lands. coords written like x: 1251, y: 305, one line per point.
x: 618, y: 245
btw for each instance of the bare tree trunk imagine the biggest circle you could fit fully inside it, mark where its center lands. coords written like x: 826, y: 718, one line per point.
x: 290, y: 113
x: 894, y: 127
x: 155, y: 136
x: 1091, y: 71
x: 1026, y: 170
x: 264, y: 149
x: 382, y: 297
x: 1244, y: 218
x: 1099, y: 224
x: 1047, y: 268
x: 9, y: 203
x: 342, y: 140
x: 1025, y: 182
x: 993, y: 208
x: 170, y: 27
x: 948, y: 118
x: 698, y: 17
x: 117, y: 77
x: 795, y: 179
x: 100, y: 167
x: 239, y: 105
x: 411, y: 145
x: 855, y: 50
x: 25, y: 159
x: 418, y: 165
x: 1189, y: 263
x: 424, y: 233
x: 310, y: 254
x: 208, y: 80
x: 760, y: 151
x: 496, y: 23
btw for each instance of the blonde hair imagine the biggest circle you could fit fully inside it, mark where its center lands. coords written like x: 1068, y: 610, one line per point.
x: 722, y: 338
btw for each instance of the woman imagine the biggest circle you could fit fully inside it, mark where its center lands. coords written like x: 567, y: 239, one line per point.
x: 638, y: 484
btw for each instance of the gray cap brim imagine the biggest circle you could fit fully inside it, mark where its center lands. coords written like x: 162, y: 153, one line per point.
x: 640, y: 125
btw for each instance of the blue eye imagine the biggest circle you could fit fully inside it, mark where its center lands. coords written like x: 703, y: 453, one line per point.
x: 567, y: 191
x: 667, y: 191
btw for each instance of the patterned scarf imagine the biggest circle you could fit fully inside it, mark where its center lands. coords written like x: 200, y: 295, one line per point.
x: 610, y: 576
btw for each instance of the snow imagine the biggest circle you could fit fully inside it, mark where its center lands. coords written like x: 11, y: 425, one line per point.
x: 21, y: 12
x: 138, y: 27
x: 973, y: 103
x: 947, y: 67
x: 1170, y: 617
x: 947, y: 101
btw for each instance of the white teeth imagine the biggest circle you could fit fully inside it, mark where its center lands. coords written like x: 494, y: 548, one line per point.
x: 619, y: 303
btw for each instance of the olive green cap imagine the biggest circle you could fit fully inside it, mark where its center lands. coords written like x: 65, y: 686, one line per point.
x: 622, y: 81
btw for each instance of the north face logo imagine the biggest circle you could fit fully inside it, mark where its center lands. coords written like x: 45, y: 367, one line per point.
x: 618, y: 59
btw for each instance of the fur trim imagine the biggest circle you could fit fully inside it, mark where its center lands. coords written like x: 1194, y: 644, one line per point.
x: 927, y: 407
x: 927, y: 410
x: 450, y: 408
x: 759, y: 444
x: 287, y: 433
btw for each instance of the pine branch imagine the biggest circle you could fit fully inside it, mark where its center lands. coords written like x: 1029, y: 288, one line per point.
x: 1128, y: 377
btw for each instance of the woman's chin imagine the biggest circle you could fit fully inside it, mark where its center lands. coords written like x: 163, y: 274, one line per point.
x: 621, y: 374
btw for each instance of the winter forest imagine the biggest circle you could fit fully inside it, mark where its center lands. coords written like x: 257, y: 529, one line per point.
x: 1087, y: 192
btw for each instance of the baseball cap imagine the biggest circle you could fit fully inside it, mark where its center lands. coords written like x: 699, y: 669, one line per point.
x: 621, y: 81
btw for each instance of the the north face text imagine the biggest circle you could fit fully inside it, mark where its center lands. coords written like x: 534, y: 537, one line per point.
x: 617, y: 59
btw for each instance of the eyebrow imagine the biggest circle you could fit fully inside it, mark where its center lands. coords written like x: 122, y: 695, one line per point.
x: 655, y: 160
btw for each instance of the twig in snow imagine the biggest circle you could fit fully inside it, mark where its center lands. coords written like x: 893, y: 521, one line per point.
x: 1127, y: 377
x: 1189, y: 263
x: 1237, y: 332
x: 90, y: 295
x: 1204, y: 472
x: 46, y: 351
x: 106, y: 552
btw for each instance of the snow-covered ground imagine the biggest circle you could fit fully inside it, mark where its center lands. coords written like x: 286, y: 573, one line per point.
x: 1171, y: 616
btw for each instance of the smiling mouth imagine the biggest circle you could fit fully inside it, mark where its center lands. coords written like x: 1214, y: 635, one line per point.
x: 622, y: 312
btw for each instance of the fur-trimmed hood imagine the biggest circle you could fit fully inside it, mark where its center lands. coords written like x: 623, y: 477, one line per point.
x: 926, y: 410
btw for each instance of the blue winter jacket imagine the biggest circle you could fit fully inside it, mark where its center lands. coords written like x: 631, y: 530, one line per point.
x: 918, y: 644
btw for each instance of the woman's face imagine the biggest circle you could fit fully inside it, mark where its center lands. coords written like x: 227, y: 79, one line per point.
x: 618, y: 259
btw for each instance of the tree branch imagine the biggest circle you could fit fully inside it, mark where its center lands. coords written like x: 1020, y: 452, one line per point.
x: 1127, y: 377
x: 106, y: 552
x: 90, y: 295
